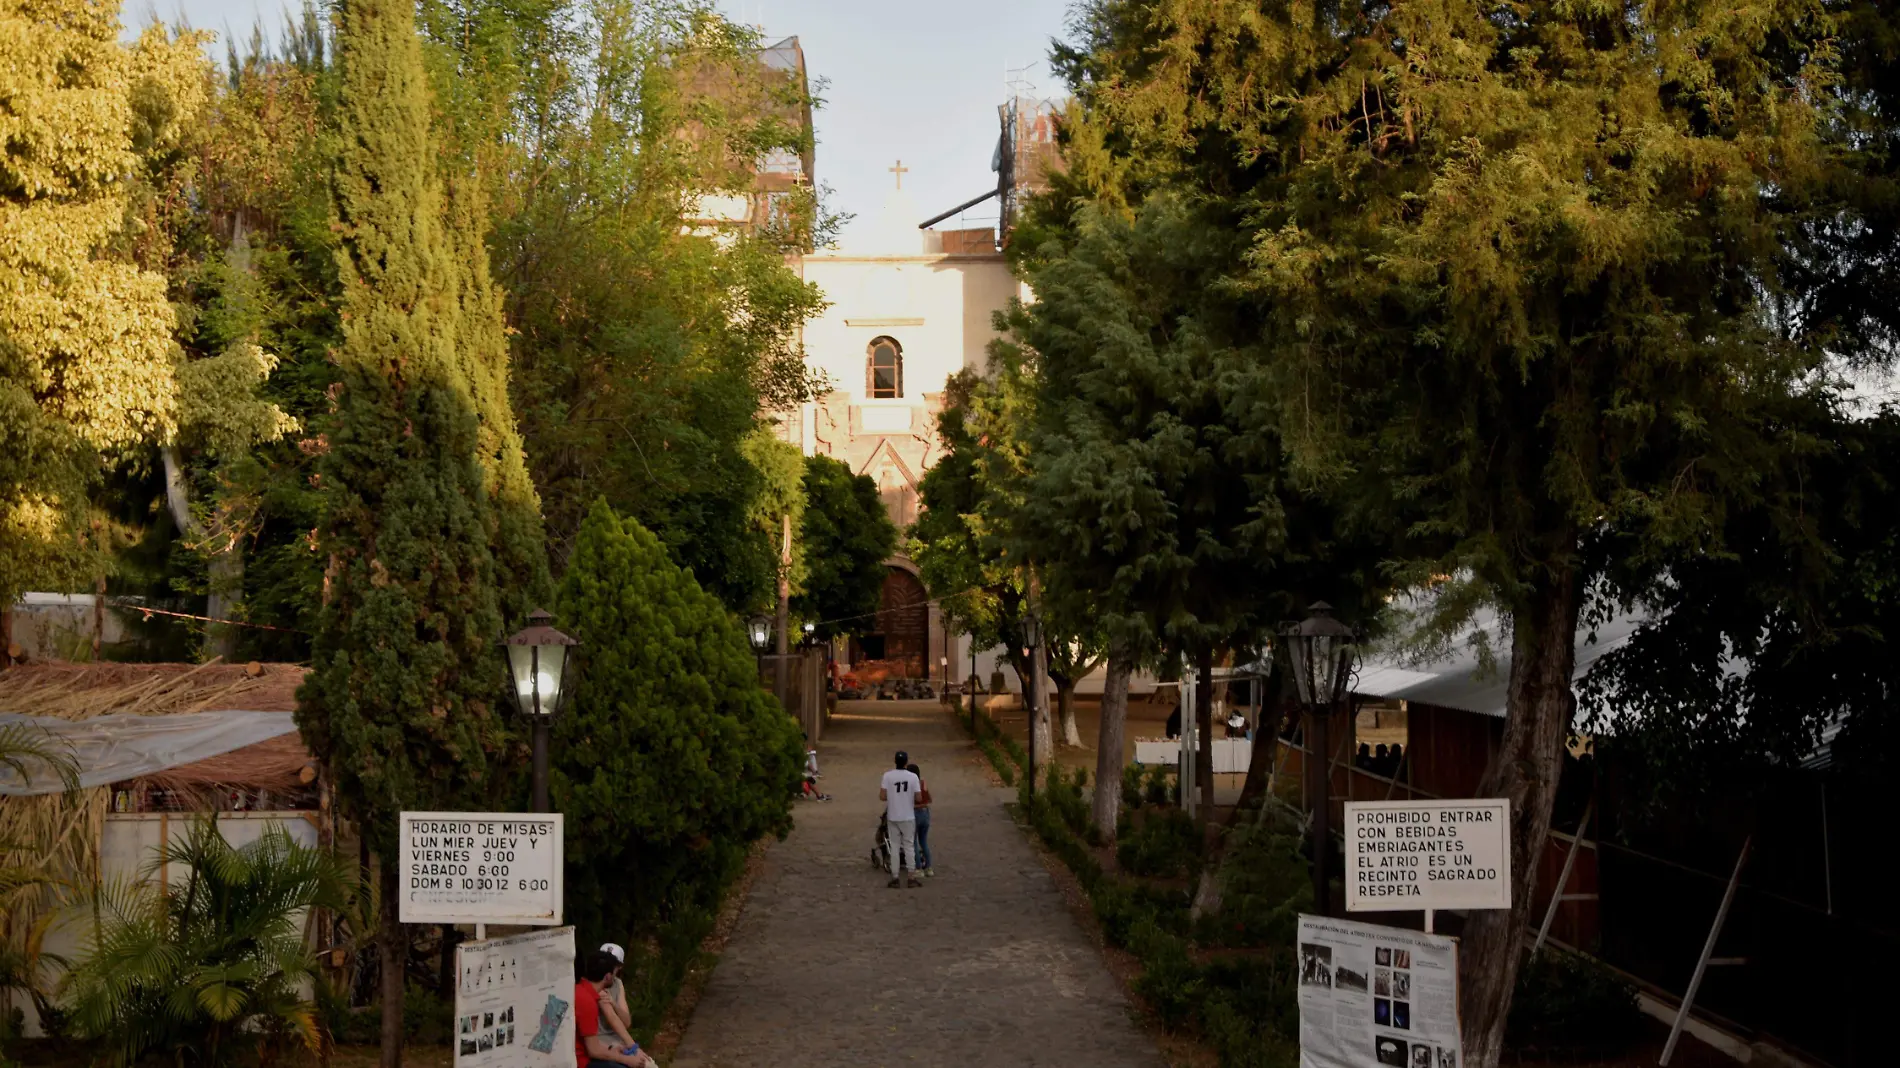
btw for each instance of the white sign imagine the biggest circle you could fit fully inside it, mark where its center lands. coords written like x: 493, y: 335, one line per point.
x: 1428, y: 855
x: 1376, y: 997
x: 514, y: 1001
x: 480, y: 867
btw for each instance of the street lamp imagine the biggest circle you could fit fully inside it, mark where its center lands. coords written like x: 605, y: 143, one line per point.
x: 811, y: 633
x: 1032, y: 637
x: 758, y: 631
x: 537, y: 663
x: 1320, y: 653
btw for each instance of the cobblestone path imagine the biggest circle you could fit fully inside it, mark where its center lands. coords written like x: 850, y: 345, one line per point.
x: 983, y: 967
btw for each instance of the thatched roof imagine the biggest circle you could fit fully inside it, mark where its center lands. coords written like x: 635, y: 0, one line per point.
x: 82, y: 691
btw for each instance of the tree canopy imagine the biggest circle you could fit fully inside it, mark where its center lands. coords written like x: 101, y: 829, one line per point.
x: 671, y: 758
x: 1512, y: 281
x: 845, y: 537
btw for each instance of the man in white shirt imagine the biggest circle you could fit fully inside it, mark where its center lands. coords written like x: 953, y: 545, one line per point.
x: 898, y: 791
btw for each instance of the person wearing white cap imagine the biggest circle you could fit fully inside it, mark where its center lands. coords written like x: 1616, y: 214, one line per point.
x: 613, y: 998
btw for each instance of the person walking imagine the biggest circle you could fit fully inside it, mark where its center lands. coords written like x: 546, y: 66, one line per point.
x: 922, y: 806
x: 898, y: 790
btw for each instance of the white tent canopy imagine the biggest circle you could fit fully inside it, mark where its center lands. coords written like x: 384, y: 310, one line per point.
x: 1459, y: 679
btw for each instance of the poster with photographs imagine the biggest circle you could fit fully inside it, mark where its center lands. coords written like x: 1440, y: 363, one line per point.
x: 513, y: 1001
x: 1376, y: 997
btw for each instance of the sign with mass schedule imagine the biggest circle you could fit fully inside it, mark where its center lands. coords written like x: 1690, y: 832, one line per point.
x: 480, y: 867
x: 1428, y: 855
x: 514, y: 1001
x: 1376, y: 997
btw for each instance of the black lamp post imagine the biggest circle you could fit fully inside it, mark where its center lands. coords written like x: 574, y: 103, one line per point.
x: 1032, y: 638
x: 811, y: 634
x: 758, y: 631
x: 1321, y: 652
x: 538, y: 662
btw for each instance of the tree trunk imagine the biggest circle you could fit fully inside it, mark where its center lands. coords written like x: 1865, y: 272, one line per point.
x: 445, y: 966
x: 1045, y: 737
x: 1204, y: 726
x: 1266, y: 743
x: 1065, y: 706
x: 783, y: 646
x: 1109, y: 741
x: 226, y: 565
x: 1541, y: 705
x: 7, y: 654
x: 393, y: 946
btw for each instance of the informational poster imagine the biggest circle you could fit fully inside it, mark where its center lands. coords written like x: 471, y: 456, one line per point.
x: 1428, y: 855
x: 1376, y: 997
x: 480, y: 867
x: 514, y: 1001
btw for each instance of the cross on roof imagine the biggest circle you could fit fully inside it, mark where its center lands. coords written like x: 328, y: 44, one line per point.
x: 900, y: 170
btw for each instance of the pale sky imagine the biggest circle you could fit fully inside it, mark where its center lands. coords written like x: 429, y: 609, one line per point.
x: 908, y: 80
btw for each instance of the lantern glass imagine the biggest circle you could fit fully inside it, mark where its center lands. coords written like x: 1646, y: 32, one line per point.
x: 1320, y: 652
x: 537, y: 666
x: 1032, y: 630
x: 759, y: 631
x: 539, y: 671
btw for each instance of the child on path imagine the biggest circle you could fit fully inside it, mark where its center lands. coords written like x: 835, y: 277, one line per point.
x: 922, y: 806
x: 898, y: 790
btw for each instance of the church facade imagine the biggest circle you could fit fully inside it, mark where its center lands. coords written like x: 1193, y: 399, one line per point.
x: 909, y: 308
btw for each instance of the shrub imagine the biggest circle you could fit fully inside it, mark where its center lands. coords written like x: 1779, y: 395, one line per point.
x: 1265, y: 884
x: 1069, y: 797
x: 1163, y: 786
x: 672, y: 760
x: 1162, y: 843
x: 1570, y: 1004
x: 427, y: 1019
x: 1131, y: 785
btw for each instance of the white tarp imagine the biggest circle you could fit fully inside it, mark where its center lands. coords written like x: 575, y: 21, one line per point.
x: 109, y: 749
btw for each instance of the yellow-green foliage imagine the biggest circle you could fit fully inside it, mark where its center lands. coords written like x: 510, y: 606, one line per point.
x: 87, y: 360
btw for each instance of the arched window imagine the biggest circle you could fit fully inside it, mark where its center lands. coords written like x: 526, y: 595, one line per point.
x: 884, y: 370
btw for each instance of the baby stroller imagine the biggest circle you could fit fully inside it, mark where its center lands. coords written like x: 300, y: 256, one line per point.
x: 881, y: 848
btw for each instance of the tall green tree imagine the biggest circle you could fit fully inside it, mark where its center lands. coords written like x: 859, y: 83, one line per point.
x: 647, y: 349
x: 671, y: 759
x: 845, y: 537
x: 401, y: 698
x: 960, y: 544
x: 87, y: 354
x: 1514, y: 269
x: 1148, y: 500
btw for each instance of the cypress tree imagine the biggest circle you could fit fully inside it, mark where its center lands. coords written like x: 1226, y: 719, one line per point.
x: 481, y: 332
x: 671, y: 758
x: 405, y: 673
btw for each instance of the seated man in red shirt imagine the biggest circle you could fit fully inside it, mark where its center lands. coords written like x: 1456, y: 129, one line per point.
x: 596, y: 1046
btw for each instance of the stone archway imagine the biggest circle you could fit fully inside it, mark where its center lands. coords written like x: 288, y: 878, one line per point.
x: 898, y: 646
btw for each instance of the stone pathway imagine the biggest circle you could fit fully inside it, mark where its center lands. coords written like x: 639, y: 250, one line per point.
x: 982, y: 967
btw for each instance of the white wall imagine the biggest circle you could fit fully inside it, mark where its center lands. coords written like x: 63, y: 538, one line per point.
x: 937, y: 308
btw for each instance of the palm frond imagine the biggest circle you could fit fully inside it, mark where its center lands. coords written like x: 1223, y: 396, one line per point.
x: 27, y: 750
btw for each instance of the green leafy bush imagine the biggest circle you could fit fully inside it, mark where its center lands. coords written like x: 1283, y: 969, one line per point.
x: 427, y: 1018
x: 1568, y: 1004
x: 1163, y: 787
x: 1161, y: 843
x: 1131, y: 785
x: 1265, y: 884
x: 671, y: 760
x: 212, y: 966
